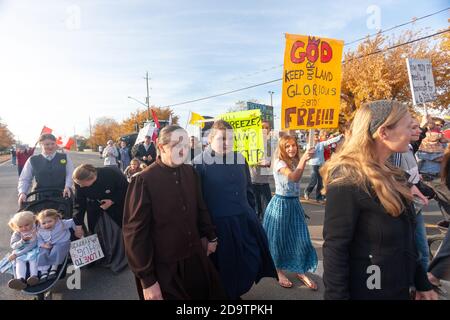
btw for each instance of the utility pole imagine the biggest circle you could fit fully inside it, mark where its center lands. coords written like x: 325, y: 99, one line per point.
x: 148, y: 96
x: 90, y: 127
x: 90, y: 134
x: 271, y: 102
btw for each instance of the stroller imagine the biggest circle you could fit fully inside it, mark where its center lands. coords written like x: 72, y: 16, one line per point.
x: 48, y: 199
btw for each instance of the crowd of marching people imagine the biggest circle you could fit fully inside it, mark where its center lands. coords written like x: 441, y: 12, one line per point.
x: 197, y: 222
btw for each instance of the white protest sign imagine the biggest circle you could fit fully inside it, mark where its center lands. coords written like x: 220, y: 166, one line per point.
x: 85, y: 251
x: 147, y: 130
x: 421, y: 80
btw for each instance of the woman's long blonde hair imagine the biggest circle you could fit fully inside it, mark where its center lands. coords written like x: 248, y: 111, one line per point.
x: 356, y: 161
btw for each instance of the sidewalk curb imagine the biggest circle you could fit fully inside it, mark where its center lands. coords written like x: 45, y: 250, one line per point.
x: 4, y: 162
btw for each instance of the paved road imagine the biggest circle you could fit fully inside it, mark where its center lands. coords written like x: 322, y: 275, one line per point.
x: 98, y: 283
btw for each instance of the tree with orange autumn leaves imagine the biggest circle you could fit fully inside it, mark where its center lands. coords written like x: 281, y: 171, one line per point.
x: 367, y: 76
x: 109, y: 129
x: 6, y: 137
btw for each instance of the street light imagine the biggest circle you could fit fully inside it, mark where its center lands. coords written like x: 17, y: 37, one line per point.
x: 148, y: 107
x: 271, y: 93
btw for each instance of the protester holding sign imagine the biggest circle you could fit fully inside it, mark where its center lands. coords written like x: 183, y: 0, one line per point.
x: 163, y: 226
x: 284, y: 220
x: 370, y: 250
x: 242, y: 257
x: 262, y: 175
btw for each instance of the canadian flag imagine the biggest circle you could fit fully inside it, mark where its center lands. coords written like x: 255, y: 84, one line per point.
x: 46, y: 130
x: 65, y: 142
x: 61, y: 141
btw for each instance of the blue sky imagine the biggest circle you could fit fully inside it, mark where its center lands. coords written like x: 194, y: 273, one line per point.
x: 65, y: 61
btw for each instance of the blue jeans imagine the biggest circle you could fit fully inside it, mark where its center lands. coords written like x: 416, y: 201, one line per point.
x: 421, y: 241
x: 316, y: 179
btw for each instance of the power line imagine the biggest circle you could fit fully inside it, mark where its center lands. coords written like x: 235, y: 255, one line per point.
x: 398, y: 45
x: 280, y: 79
x: 223, y: 94
x: 397, y: 26
x: 354, y: 41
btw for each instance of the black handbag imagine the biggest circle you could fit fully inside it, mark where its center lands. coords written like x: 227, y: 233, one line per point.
x: 426, y: 190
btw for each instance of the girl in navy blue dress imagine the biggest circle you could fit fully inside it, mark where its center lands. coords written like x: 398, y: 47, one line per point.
x: 242, y: 256
x: 284, y: 219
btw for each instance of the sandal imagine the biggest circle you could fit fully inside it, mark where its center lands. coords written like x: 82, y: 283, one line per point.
x: 307, y: 282
x: 285, y: 283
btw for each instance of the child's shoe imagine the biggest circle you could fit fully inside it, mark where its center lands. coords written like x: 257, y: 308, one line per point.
x: 52, y: 274
x: 43, y: 277
x: 17, y: 284
x: 32, y: 281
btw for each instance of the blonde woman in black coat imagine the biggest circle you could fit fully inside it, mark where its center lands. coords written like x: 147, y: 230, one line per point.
x: 369, y: 250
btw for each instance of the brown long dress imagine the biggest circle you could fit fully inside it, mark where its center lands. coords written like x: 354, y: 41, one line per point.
x: 164, y: 219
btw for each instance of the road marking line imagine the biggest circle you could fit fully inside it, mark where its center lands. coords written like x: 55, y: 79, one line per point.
x: 3, y: 163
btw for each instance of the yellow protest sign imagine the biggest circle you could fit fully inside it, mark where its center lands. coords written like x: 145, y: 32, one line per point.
x: 311, y: 82
x: 248, y: 138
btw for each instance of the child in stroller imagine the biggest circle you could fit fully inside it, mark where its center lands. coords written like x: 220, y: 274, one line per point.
x: 53, y: 236
x: 37, y: 201
x: 25, y: 250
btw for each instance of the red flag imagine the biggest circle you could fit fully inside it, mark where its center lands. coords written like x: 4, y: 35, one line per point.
x: 155, y: 135
x: 155, y: 119
x: 69, y: 143
x: 59, y: 141
x: 46, y: 130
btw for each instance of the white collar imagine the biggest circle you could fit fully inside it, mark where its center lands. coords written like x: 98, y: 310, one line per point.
x: 49, y: 157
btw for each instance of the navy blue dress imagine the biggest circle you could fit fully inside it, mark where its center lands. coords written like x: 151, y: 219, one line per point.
x: 242, y: 256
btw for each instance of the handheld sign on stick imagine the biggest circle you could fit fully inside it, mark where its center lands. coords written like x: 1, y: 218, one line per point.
x: 310, y: 139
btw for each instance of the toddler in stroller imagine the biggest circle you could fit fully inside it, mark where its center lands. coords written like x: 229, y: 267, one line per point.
x: 25, y: 250
x: 38, y: 201
x: 53, y: 235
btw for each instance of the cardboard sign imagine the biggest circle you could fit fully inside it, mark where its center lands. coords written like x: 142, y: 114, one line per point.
x: 420, y: 73
x: 311, y: 82
x: 85, y: 251
x: 248, y: 138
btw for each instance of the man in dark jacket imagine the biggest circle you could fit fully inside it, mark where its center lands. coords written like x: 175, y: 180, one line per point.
x: 145, y: 151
